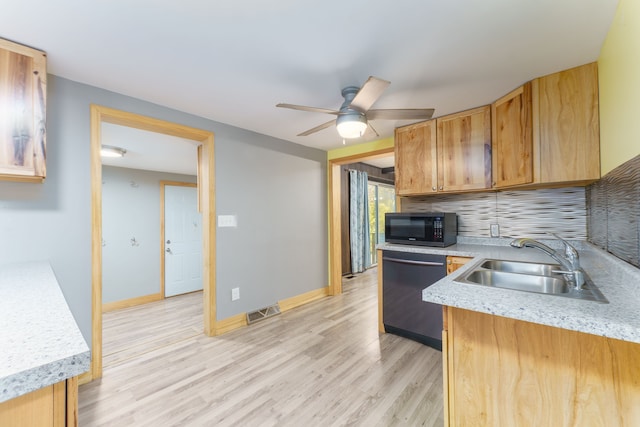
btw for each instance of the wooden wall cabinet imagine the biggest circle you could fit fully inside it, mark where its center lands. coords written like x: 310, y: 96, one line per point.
x: 512, y: 138
x: 464, y: 150
x: 505, y: 372
x: 543, y: 134
x: 416, y: 159
x: 546, y: 132
x: 450, y: 154
x: 23, y: 94
x: 566, y: 126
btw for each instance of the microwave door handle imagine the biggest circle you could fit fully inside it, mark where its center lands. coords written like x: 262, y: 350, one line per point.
x: 406, y: 261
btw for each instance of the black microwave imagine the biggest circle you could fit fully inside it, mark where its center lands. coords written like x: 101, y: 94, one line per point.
x: 426, y: 229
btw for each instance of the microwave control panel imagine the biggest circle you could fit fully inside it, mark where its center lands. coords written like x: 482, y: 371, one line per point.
x: 437, y: 229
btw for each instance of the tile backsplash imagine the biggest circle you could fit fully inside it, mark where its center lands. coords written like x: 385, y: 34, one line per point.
x: 519, y: 213
x: 613, y: 205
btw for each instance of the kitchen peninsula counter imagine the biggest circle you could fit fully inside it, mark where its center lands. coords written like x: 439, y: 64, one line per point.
x: 40, y: 340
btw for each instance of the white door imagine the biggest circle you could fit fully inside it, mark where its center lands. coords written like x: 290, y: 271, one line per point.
x: 182, y: 240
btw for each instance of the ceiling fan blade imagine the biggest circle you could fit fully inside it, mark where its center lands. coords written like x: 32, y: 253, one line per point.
x: 401, y: 114
x: 370, y: 128
x: 305, y: 108
x: 318, y: 128
x: 369, y: 93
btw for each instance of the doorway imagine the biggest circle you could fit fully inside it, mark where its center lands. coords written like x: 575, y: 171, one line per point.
x: 335, y: 212
x: 181, y: 237
x: 382, y: 199
x: 206, y: 203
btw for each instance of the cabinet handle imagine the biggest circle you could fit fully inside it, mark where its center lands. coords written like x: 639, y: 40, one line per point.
x: 406, y: 261
x: 433, y: 188
x: 441, y: 188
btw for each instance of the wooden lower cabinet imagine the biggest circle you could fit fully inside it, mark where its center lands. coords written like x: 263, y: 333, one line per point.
x: 455, y: 262
x: 55, y: 406
x: 505, y: 372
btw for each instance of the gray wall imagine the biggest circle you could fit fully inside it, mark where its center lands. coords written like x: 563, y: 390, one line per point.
x: 280, y: 242
x: 131, y: 209
x: 52, y: 221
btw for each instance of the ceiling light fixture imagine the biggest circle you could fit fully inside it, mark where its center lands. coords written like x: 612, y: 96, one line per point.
x: 111, y: 151
x: 352, y: 124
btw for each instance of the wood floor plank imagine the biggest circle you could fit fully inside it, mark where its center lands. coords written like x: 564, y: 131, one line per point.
x: 320, y: 364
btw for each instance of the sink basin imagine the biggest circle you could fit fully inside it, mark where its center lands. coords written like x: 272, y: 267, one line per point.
x: 522, y: 267
x: 528, y: 277
x: 519, y: 282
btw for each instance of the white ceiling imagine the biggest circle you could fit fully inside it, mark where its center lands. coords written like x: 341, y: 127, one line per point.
x: 150, y: 150
x: 381, y: 162
x: 233, y: 60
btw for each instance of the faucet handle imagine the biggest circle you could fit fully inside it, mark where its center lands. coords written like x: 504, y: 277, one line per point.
x: 569, y: 251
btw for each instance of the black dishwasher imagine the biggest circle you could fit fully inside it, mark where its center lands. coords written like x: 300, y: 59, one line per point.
x: 404, y: 276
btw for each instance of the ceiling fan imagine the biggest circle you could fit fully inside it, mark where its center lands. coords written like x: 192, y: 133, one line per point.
x: 354, y: 113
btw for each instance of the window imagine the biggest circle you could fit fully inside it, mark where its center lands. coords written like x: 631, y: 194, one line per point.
x: 382, y: 199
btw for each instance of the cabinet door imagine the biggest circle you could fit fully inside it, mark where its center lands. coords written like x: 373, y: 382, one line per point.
x: 464, y: 150
x: 568, y: 125
x: 505, y: 372
x: 23, y: 93
x: 512, y: 138
x: 415, y: 157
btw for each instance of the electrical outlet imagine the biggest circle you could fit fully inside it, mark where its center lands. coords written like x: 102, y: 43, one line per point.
x: 495, y: 230
x: 235, y: 294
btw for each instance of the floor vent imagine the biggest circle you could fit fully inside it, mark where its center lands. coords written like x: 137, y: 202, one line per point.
x: 263, y: 313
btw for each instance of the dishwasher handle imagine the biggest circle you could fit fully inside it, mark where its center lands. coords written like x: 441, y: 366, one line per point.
x: 406, y: 261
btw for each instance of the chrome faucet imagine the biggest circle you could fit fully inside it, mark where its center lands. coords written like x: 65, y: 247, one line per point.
x: 570, y: 262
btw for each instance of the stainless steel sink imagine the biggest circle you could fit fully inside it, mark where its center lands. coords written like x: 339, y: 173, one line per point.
x: 519, y: 282
x: 528, y: 277
x: 522, y: 267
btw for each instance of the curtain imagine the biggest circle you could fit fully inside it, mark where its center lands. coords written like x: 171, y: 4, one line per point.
x: 358, y: 221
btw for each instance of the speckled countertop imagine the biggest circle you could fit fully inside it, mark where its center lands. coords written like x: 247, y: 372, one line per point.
x: 39, y: 339
x: 617, y: 280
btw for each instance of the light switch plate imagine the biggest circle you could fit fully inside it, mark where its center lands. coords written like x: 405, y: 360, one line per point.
x: 227, y: 221
x: 235, y: 294
x: 495, y: 230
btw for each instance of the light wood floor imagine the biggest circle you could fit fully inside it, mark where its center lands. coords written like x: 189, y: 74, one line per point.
x: 322, y: 364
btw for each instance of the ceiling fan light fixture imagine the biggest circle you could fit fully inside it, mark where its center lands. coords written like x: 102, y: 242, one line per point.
x: 351, y: 125
x: 111, y: 151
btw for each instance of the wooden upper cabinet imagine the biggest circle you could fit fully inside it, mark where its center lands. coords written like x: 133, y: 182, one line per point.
x: 512, y: 138
x: 464, y: 150
x: 23, y: 93
x: 567, y: 123
x: 415, y: 158
x: 543, y: 134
